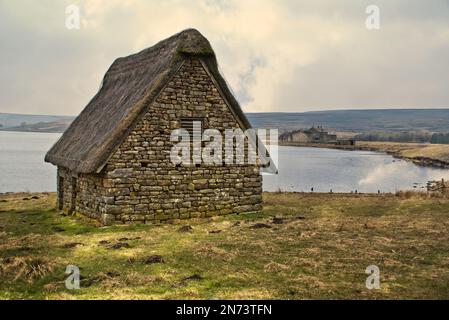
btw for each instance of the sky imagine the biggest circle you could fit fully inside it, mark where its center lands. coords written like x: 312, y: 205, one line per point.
x: 277, y: 56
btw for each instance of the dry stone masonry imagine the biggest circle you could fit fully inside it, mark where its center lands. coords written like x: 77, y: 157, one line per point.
x: 139, y: 183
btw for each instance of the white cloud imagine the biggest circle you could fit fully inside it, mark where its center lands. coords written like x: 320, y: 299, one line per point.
x: 277, y: 55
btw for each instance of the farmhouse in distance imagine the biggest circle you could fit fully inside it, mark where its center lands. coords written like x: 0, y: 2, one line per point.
x: 314, y: 135
x: 114, y: 159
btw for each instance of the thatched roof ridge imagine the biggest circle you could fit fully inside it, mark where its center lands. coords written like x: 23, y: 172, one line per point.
x: 129, y: 86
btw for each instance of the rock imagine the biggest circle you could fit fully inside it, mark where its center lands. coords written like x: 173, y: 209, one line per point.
x: 215, y: 231
x: 109, y: 200
x: 107, y: 219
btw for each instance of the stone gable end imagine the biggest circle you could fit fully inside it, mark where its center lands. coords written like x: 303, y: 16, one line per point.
x: 145, y: 184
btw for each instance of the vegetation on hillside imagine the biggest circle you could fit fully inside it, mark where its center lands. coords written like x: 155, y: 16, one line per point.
x: 10, y: 120
x: 54, y: 126
x: 440, y: 138
x: 385, y: 120
x: 301, y: 246
x: 356, y: 121
x: 413, y: 151
x: 406, y: 136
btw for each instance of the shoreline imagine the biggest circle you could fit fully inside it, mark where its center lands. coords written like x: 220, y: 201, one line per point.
x: 382, y: 147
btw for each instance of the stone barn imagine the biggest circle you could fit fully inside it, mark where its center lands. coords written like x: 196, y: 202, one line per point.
x: 312, y: 135
x: 113, y: 162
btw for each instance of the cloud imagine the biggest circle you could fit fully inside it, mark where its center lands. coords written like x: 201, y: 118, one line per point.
x: 386, y: 174
x: 277, y: 55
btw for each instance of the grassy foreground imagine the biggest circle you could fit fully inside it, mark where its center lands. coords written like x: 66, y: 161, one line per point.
x: 317, y: 246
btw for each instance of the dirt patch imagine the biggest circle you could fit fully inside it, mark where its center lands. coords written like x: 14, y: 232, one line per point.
x: 52, y: 287
x: 209, y: 250
x: 57, y: 229
x: 153, y: 259
x: 275, y: 267
x: 120, y: 245
x: 193, y: 277
x: 260, y: 226
x: 277, y: 220
x: 101, y: 277
x: 186, y: 228
x: 72, y: 245
x: 129, y: 239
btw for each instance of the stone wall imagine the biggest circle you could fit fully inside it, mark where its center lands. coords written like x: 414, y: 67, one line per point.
x: 140, y: 184
x: 82, y: 193
x: 438, y: 186
x: 64, y: 182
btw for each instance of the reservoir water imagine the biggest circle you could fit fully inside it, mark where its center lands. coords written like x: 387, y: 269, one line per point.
x: 22, y: 168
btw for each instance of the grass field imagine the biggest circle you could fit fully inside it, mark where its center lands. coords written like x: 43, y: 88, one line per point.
x: 302, y: 246
x: 411, y: 150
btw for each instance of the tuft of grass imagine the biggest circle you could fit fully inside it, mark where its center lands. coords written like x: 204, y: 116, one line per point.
x: 412, y: 194
x: 26, y: 268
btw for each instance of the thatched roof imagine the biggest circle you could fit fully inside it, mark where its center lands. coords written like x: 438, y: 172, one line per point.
x: 130, y: 85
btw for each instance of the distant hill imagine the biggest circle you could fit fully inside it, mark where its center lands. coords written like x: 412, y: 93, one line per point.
x: 391, y: 120
x: 52, y: 126
x: 14, y: 120
x: 387, y: 120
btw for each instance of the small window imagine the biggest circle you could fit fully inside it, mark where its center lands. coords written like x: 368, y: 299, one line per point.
x: 190, y: 124
x: 195, y: 128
